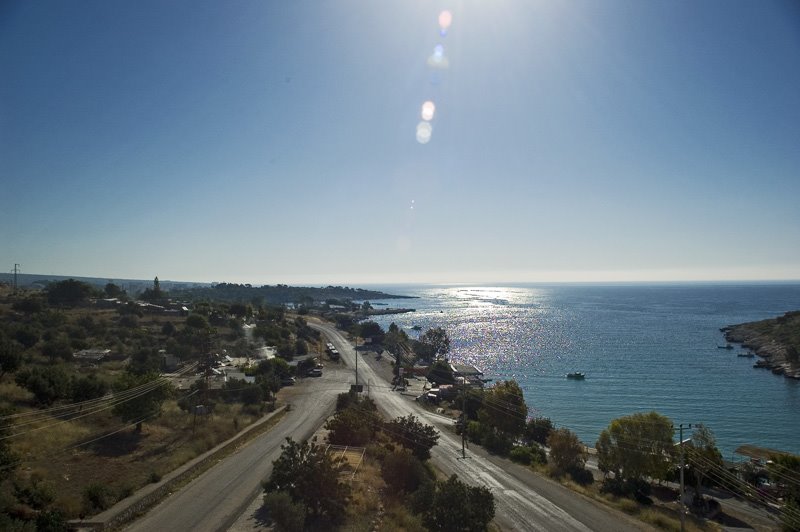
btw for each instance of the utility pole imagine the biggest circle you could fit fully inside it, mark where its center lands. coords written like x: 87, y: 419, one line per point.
x: 463, y: 418
x: 16, y: 271
x: 356, y: 350
x: 682, y: 507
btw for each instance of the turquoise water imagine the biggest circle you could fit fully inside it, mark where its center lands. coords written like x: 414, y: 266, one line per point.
x: 642, y: 347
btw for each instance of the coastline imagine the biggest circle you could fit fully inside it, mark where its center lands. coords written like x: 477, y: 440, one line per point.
x: 773, y: 340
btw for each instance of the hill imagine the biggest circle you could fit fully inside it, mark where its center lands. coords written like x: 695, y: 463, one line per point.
x: 776, y: 340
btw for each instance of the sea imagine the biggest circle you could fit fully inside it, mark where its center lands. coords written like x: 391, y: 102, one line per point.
x: 643, y: 347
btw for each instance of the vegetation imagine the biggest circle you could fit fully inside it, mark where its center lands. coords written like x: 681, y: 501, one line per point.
x: 433, y: 344
x: 784, y: 470
x: 702, y: 457
x: 635, y: 447
x: 458, y: 506
x: 140, y: 397
x: 567, y: 453
x: 42, y: 366
x: 778, y: 338
x: 279, y: 294
x: 537, y: 430
x: 414, y: 435
x: 307, y: 474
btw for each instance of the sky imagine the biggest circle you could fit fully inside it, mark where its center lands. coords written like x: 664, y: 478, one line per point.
x: 285, y: 142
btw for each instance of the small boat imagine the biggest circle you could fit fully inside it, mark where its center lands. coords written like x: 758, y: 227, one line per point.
x: 726, y: 346
x: 416, y: 328
x: 746, y: 355
x: 577, y: 375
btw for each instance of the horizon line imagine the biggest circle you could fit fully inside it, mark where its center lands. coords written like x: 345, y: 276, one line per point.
x: 429, y: 283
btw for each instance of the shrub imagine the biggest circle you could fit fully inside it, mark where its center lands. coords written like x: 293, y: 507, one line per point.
x: 567, y: 453
x: 497, y: 443
x: 289, y: 516
x: 402, y: 471
x: 37, y: 494
x: 537, y: 430
x: 51, y: 521
x: 532, y: 454
x: 97, y: 497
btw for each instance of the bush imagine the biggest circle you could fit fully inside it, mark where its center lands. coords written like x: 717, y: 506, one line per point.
x: 51, y: 521
x: 38, y: 494
x: 402, y: 471
x: 289, y: 516
x: 537, y: 430
x: 567, y: 453
x: 497, y: 443
x: 527, y: 455
x: 457, y: 506
x: 97, y: 497
x: 583, y: 477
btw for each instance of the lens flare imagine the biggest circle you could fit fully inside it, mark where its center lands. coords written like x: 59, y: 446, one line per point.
x: 424, y: 131
x: 438, y: 60
x: 445, y: 19
x: 428, y: 108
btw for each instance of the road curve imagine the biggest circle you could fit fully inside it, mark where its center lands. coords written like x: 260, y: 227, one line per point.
x: 525, y: 501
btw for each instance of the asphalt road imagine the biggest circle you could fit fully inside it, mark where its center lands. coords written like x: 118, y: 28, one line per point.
x: 525, y: 501
x: 215, y: 499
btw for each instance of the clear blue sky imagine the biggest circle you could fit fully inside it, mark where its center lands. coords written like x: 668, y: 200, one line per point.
x: 273, y: 142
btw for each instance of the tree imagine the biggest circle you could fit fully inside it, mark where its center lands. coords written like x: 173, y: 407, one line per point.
x: 240, y: 310
x: 354, y: 425
x: 504, y: 409
x: 396, y: 340
x: 785, y: 469
x: 703, y: 456
x: 288, y: 515
x: 86, y: 388
x: 8, y: 460
x: 370, y: 329
x: 57, y: 348
x: 567, y: 453
x: 436, y: 342
x: 68, y: 293
x: 455, y: 506
x: 155, y: 293
x: 29, y: 305
x: 144, y: 404
x: 636, y: 446
x: 537, y: 430
x: 414, y: 435
x: 27, y: 336
x: 402, y: 471
x: 197, y: 322
x: 441, y: 373
x: 145, y: 361
x: 47, y: 384
x: 306, y: 472
x: 114, y: 291
x: 10, y: 356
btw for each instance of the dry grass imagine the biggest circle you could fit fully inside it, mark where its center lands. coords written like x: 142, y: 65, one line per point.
x: 124, y: 461
x: 11, y: 393
x: 366, y: 508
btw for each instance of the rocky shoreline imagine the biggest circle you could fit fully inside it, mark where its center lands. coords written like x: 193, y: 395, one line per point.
x: 776, y: 341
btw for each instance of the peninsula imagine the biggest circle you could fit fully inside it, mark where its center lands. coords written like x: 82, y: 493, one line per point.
x: 776, y: 341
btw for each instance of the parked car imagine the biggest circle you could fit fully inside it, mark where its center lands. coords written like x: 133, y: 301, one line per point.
x: 288, y: 381
x: 316, y: 372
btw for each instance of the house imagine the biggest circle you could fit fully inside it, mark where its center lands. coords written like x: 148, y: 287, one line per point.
x: 235, y: 374
x: 470, y: 374
x: 169, y: 362
x: 92, y: 355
